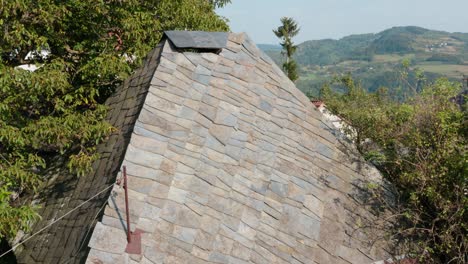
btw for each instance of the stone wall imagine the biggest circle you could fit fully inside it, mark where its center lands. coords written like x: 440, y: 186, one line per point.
x: 229, y: 163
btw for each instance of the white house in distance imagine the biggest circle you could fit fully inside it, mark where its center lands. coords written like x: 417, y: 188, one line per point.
x: 334, y: 119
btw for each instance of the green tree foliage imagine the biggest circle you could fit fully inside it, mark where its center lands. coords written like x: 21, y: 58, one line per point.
x: 92, y: 46
x: 286, y: 32
x: 290, y: 68
x: 420, y: 145
x: 219, y: 3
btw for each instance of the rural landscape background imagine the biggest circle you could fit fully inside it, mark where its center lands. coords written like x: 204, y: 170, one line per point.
x: 374, y: 59
x: 394, y: 71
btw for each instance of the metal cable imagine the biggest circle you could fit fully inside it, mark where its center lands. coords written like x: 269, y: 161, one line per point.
x: 55, y: 221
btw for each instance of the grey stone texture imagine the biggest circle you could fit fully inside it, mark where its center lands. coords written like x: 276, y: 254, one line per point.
x: 230, y: 163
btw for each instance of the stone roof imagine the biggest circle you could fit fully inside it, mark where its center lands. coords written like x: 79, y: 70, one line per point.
x: 228, y: 162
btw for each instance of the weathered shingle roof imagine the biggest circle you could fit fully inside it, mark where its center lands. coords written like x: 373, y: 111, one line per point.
x: 66, y: 241
x: 228, y: 162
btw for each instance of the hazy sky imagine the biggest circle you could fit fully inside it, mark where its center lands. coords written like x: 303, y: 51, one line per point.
x: 320, y: 19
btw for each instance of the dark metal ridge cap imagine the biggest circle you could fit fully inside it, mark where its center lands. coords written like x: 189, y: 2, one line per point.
x: 198, y: 39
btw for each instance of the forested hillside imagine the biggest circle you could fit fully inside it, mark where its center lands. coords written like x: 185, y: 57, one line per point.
x: 375, y: 58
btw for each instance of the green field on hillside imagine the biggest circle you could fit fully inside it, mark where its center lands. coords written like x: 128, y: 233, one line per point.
x: 450, y: 70
x: 392, y: 57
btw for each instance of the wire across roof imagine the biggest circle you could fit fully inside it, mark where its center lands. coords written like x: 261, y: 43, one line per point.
x: 197, y: 39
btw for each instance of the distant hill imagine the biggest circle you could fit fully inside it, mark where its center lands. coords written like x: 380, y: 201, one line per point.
x: 372, y: 58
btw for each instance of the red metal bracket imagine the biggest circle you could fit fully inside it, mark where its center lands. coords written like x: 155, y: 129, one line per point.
x: 129, y: 239
x: 134, y: 247
x: 133, y: 238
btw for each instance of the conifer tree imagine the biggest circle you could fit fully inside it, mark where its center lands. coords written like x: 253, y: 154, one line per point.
x: 286, y: 32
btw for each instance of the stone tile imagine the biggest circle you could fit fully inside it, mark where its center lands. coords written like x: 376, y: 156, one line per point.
x: 202, y: 79
x: 238, y: 38
x: 314, y: 204
x: 143, y: 131
x: 251, y: 217
x: 210, y: 224
x: 150, y: 212
x: 211, y: 57
x: 154, y: 255
x: 144, y: 158
x: 279, y: 188
x: 185, y: 234
x: 140, y: 185
x: 240, y: 251
x: 353, y: 255
x: 225, y: 118
x: 223, y: 245
x: 217, y: 257
x: 159, y: 190
x: 176, y: 194
x: 296, y: 193
x: 246, y: 231
x: 200, y: 253
x: 108, y: 239
x: 147, y: 225
x: 205, y: 241
x: 97, y: 256
x: 293, y: 220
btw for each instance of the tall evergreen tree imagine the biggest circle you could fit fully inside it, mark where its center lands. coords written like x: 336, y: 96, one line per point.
x: 286, y: 32
x: 57, y: 110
